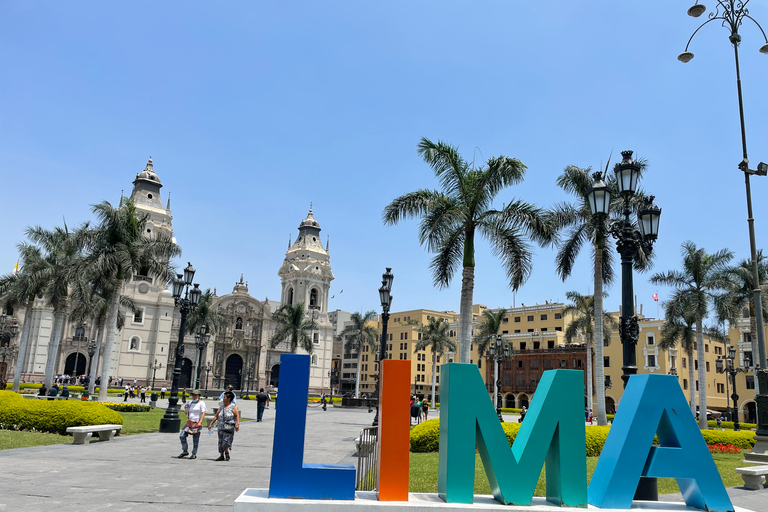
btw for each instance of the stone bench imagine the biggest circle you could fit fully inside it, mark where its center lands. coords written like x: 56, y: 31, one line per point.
x: 83, y: 434
x: 753, y: 476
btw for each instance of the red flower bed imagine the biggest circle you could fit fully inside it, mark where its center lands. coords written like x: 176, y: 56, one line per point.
x: 724, y: 448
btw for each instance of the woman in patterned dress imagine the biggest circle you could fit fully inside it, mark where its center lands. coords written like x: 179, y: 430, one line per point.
x: 229, y: 422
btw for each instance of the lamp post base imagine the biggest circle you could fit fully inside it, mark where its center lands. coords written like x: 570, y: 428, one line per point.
x: 170, y: 423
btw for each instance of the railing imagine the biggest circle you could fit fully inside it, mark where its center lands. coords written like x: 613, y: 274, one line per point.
x: 367, y: 449
x: 75, y: 339
x: 142, y: 278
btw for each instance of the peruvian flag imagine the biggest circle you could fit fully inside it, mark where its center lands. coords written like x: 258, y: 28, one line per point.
x: 656, y: 297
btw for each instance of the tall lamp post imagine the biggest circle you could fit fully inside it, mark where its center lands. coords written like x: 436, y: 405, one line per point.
x: 208, y: 368
x: 91, y: 353
x: 156, y: 366
x: 170, y: 422
x: 499, y: 351
x: 202, y: 338
x: 386, y: 302
x: 334, y: 375
x: 629, y: 240
x: 727, y: 365
x: 731, y: 14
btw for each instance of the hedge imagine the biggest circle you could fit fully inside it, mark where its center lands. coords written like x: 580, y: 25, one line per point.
x: 18, y: 413
x: 126, y: 407
x: 729, y: 424
x: 425, y: 437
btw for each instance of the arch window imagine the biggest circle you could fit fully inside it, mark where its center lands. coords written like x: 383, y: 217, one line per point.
x: 239, y: 323
x: 290, y: 296
x: 79, y: 332
x: 313, y: 297
x: 314, y: 359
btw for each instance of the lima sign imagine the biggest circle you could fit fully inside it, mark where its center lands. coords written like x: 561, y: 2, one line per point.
x: 552, y: 433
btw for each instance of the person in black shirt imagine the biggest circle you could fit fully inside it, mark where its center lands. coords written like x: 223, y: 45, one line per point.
x: 262, y: 401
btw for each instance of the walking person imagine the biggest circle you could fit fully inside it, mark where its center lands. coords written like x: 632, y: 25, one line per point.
x: 184, y: 396
x: 143, y: 395
x: 229, y: 422
x: 262, y: 402
x: 425, y: 409
x: 195, y: 411
x: 162, y: 392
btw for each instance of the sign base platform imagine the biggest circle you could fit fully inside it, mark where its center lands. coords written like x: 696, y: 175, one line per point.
x: 257, y: 500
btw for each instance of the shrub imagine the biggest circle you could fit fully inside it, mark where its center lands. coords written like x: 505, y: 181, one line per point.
x: 425, y: 437
x: 742, y: 438
x: 595, y: 437
x: 17, y: 413
x: 729, y: 424
x: 126, y: 407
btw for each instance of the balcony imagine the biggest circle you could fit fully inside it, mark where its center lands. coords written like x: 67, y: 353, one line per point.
x: 146, y: 279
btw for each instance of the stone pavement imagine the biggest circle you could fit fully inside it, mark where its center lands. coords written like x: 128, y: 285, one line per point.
x: 142, y: 473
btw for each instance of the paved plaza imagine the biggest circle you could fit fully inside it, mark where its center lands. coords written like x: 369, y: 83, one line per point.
x: 142, y: 473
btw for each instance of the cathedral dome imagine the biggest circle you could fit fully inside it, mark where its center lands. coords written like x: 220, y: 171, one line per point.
x: 310, y: 221
x: 149, y: 173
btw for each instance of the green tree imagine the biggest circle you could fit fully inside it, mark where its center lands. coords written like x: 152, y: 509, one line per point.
x: 451, y: 218
x: 742, y: 296
x: 487, y: 332
x: 680, y: 328
x: 292, y: 325
x: 357, y: 334
x: 118, y: 249
x: 434, y: 336
x: 703, y: 282
x: 582, y: 323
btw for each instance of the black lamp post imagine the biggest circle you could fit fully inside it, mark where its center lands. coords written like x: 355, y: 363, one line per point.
x: 156, y: 366
x: 729, y: 368
x: 499, y: 352
x: 334, y: 375
x: 170, y: 422
x: 91, y: 353
x: 208, y: 368
x: 731, y: 14
x: 629, y: 240
x: 386, y: 302
x: 202, y: 338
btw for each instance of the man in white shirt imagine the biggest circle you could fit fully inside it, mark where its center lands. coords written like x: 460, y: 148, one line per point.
x: 195, y: 411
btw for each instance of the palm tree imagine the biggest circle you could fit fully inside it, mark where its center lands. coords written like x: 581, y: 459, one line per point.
x: 450, y: 219
x: 205, y: 315
x: 703, y: 281
x: 680, y: 328
x: 434, y: 336
x: 357, y: 334
x: 292, y: 325
x: 582, y: 228
x: 487, y: 332
x: 117, y: 249
x: 582, y: 322
x: 52, y: 259
x: 742, y: 296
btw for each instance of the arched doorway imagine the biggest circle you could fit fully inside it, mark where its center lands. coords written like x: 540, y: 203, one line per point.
x: 72, y: 368
x: 610, y: 405
x: 522, y: 400
x: 274, y: 376
x: 185, y: 380
x: 509, y: 401
x: 750, y: 412
x: 233, y: 371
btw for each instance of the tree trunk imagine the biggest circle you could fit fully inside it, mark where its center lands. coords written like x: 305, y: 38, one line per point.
x: 702, y: 375
x: 22, y: 347
x: 109, y: 339
x: 691, y: 381
x: 53, y: 347
x: 602, y: 419
x: 589, y: 373
x: 465, y: 314
x: 434, y: 367
x: 357, y: 379
x: 95, y: 360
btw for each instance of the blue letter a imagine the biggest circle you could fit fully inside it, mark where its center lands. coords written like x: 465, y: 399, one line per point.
x: 655, y: 404
x: 290, y: 477
x: 553, y: 430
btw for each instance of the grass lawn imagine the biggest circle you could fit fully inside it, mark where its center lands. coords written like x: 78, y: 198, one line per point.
x: 423, y: 474
x: 13, y: 439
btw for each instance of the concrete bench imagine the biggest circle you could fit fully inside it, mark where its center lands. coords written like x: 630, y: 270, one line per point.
x: 83, y: 434
x: 753, y: 476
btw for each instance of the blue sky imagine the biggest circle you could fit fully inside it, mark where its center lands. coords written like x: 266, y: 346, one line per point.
x: 252, y: 110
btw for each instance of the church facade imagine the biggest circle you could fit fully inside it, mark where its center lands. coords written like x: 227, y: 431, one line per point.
x: 239, y: 355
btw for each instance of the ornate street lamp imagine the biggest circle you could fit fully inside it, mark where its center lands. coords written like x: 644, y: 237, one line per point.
x: 208, y: 368
x: 156, y: 366
x: 91, y: 353
x: 170, y: 421
x: 499, y: 352
x: 386, y: 303
x: 727, y: 365
x: 731, y: 14
x: 202, y: 338
x: 629, y: 240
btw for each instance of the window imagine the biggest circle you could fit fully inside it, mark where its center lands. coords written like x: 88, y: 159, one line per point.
x: 536, y: 345
x: 747, y: 358
x: 504, y: 332
x: 683, y: 362
x: 517, y: 319
x: 522, y: 345
x: 706, y: 348
x: 548, y: 364
x: 290, y: 296
x: 544, y: 329
x: 534, y: 364
x: 313, y: 297
x: 685, y: 383
x: 505, y: 320
x: 316, y: 338
x: 563, y: 363
x: 314, y: 359
x: 696, y: 364
x: 720, y: 388
x: 558, y: 329
x: 239, y: 323
x: 534, y: 380
x: 543, y: 317
x: 707, y: 365
x: 697, y: 385
x: 530, y: 330
x: 507, y: 380
x: 608, y: 382
x: 550, y: 343
x: 406, y: 335
x: 138, y: 316
x: 607, y: 362
x: 520, y: 364
x: 650, y: 340
x: 651, y: 361
x: 558, y: 316
x: 577, y: 363
x: 750, y: 382
x: 520, y: 379
x: 517, y: 331
x: 530, y: 318
x: 479, y: 363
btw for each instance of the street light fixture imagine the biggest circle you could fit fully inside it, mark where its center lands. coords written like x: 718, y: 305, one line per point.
x: 727, y: 365
x: 499, y: 351
x: 208, y: 368
x: 156, y: 366
x: 629, y: 241
x: 202, y: 338
x: 385, y: 297
x: 170, y: 421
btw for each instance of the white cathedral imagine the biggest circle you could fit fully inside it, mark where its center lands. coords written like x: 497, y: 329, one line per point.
x: 238, y: 355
